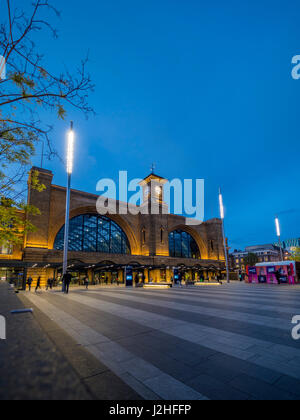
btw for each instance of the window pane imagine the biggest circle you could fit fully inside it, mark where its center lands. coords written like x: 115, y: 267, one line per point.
x: 183, y: 245
x: 75, y: 234
x: 90, y: 233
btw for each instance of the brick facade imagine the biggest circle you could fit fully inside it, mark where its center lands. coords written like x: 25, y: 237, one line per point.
x: 148, y: 235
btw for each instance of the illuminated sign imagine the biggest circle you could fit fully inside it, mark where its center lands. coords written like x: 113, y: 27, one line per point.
x: 129, y: 276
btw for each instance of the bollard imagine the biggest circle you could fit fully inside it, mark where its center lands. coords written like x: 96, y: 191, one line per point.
x: 21, y: 311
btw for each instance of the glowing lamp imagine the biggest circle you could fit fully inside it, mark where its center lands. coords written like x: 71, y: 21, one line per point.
x: 70, y: 151
x: 277, y: 227
x: 221, y: 206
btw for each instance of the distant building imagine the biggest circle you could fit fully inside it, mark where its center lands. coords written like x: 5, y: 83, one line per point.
x: 264, y: 253
x: 290, y: 244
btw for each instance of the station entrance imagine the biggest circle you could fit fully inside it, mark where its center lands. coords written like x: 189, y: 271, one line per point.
x: 13, y: 276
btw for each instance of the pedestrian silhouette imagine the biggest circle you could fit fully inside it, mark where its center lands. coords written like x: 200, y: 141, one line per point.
x: 67, y: 280
x: 38, y: 284
x: 29, y: 282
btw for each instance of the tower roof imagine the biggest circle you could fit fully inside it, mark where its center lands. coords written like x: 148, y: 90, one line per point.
x: 154, y: 177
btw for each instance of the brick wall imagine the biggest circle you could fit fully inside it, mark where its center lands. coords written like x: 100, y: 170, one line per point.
x: 148, y: 234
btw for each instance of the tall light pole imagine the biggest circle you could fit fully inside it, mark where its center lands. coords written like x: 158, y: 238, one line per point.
x: 222, y: 214
x: 279, y: 236
x: 70, y: 158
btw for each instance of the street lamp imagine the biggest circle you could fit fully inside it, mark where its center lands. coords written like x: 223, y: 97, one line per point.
x: 222, y: 214
x: 277, y: 224
x: 70, y: 159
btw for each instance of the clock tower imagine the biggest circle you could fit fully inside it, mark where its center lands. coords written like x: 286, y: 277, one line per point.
x: 153, y: 191
x: 154, y: 213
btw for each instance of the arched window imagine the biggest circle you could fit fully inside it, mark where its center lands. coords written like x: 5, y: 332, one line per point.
x: 162, y: 235
x: 183, y: 245
x: 144, y: 235
x: 94, y: 233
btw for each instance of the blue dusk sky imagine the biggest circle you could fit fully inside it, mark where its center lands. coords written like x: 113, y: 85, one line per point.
x: 201, y: 88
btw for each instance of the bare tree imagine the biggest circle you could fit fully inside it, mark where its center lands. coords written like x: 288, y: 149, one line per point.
x: 28, y: 88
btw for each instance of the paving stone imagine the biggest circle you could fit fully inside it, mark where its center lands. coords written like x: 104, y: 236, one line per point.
x: 259, y: 389
x: 107, y: 386
x: 171, y: 389
x: 170, y: 344
x: 272, y: 334
x: 217, y: 390
x: 289, y: 385
x: 31, y: 367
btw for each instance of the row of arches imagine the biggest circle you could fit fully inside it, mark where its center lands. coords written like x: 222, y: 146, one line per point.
x: 96, y: 233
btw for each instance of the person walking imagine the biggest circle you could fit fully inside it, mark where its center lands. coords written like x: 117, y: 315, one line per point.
x: 38, y: 284
x: 49, y: 282
x: 29, y: 282
x: 86, y: 282
x: 67, y: 281
x: 278, y: 276
x: 219, y: 278
x: 136, y: 280
x: 187, y: 281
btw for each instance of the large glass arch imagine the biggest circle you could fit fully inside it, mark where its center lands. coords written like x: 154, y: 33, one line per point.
x: 183, y: 245
x: 94, y: 233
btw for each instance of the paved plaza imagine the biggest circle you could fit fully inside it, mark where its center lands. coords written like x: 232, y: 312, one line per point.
x: 229, y: 342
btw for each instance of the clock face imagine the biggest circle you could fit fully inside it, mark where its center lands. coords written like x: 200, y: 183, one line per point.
x: 159, y: 192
